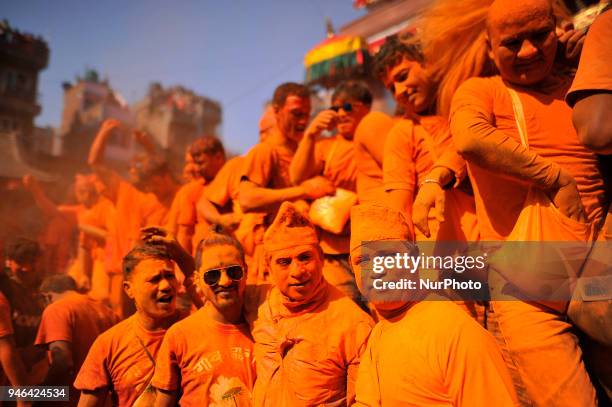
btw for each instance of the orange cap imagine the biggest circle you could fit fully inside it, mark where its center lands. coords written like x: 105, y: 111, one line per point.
x: 371, y: 222
x: 290, y: 228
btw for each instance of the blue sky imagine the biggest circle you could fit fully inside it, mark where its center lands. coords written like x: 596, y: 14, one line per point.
x: 234, y: 51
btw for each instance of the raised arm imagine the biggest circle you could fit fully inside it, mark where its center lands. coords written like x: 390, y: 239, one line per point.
x: 42, y: 201
x: 96, y: 157
x: 305, y: 164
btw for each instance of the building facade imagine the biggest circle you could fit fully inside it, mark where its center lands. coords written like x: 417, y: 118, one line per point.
x: 22, y: 57
x: 87, y: 103
x: 174, y: 117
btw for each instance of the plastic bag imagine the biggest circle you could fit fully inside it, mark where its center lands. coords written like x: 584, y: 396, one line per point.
x: 332, y: 212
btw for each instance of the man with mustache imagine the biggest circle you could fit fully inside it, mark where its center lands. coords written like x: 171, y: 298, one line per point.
x: 308, y: 335
x: 121, y: 361
x: 515, y: 158
x: 208, y: 357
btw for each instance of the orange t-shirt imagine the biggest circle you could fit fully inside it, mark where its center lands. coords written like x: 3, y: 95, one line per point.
x: 207, y: 361
x: 77, y: 319
x: 408, y: 158
x: 482, y: 110
x: 411, y: 151
x: 57, y: 240
x: 133, y: 210
x: 595, y: 68
x: 435, y: 355
x: 267, y: 164
x: 336, y: 155
x: 183, y: 209
x: 225, y: 186
x: 374, y: 126
x: 223, y: 192
x: 100, y: 215
x: 117, y: 360
x: 309, y: 357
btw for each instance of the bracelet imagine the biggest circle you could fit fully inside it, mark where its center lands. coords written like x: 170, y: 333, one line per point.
x: 430, y: 181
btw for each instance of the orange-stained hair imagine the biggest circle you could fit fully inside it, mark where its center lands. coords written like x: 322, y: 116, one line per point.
x: 454, y: 44
x: 453, y: 37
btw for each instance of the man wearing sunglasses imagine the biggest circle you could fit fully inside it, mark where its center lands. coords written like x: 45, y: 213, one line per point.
x: 207, y: 358
x: 334, y: 159
x: 308, y: 336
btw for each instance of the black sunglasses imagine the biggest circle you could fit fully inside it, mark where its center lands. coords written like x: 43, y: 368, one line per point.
x: 212, y: 277
x: 347, y: 107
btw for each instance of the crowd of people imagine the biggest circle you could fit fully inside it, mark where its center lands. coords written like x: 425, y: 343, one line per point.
x: 244, y: 284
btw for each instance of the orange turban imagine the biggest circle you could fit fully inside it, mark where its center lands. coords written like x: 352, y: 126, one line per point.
x: 290, y: 228
x: 370, y: 222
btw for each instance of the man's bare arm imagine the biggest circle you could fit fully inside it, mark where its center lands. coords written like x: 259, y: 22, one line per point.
x: 61, y: 368
x: 593, y: 122
x: 480, y: 142
x: 42, y: 201
x: 11, y: 362
x: 93, y: 231
x: 304, y: 164
x: 211, y: 214
x: 255, y: 198
x: 96, y: 398
x: 165, y: 398
x: 96, y: 157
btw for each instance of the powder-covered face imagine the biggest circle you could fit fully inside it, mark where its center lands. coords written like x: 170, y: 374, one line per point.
x: 410, y: 85
x: 153, y: 286
x: 349, y: 120
x: 367, y: 270
x: 292, y: 117
x: 85, y: 191
x: 297, y: 271
x: 227, y: 293
x: 522, y: 40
